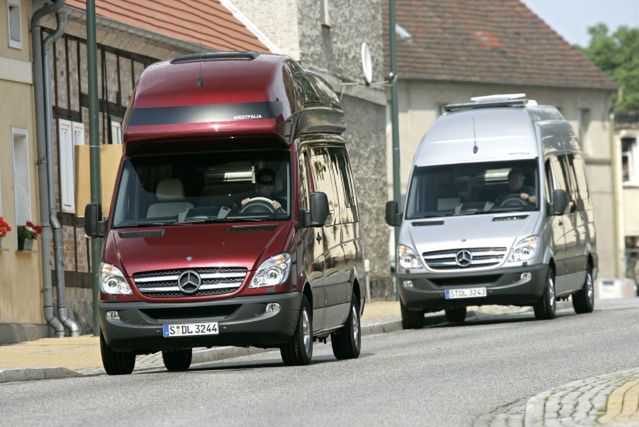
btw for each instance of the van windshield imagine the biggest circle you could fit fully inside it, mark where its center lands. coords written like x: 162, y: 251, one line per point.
x: 204, y: 187
x: 473, y: 188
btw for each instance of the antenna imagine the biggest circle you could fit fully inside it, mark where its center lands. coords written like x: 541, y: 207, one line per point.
x: 475, y: 147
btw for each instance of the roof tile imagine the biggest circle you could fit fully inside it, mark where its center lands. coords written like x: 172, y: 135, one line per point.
x: 206, y: 23
x: 492, y: 41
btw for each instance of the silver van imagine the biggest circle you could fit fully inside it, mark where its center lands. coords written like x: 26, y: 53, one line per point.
x: 497, y: 212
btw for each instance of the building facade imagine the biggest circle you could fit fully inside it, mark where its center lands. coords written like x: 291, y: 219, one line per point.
x: 21, y: 315
x: 130, y: 37
x: 326, y: 37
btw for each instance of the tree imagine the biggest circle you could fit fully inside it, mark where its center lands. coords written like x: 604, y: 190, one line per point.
x: 618, y: 55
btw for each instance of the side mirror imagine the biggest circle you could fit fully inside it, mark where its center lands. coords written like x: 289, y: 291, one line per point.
x: 319, y: 210
x: 559, y: 202
x: 393, y: 217
x: 93, y: 224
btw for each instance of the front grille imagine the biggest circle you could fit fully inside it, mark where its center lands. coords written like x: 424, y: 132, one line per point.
x: 190, y: 312
x: 467, y: 280
x: 482, y: 258
x: 164, y: 283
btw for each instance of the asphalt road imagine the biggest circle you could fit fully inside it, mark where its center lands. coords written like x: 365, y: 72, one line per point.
x: 440, y: 375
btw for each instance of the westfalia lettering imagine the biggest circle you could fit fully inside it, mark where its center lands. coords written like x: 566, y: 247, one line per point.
x: 248, y: 117
x: 205, y: 113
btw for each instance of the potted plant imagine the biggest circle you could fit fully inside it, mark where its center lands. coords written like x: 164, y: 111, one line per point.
x: 4, y: 229
x: 27, y: 234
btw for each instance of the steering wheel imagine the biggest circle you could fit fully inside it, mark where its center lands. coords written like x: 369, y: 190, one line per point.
x: 513, y: 201
x: 258, y: 205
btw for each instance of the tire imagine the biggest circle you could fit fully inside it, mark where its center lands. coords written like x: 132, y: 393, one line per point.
x: 299, y: 349
x: 347, y: 342
x: 177, y: 360
x: 583, y: 301
x: 116, y: 362
x: 456, y: 315
x: 411, y: 319
x: 546, y: 307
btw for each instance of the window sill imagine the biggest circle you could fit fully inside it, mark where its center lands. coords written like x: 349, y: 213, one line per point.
x: 631, y: 185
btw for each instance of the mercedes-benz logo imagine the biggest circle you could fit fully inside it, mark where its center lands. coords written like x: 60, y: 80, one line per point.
x: 464, y: 258
x: 189, y: 282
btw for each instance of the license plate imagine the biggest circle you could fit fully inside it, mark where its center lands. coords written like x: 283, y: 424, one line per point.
x: 187, y: 329
x: 465, y: 293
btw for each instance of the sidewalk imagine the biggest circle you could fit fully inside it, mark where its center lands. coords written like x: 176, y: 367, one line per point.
x: 50, y: 358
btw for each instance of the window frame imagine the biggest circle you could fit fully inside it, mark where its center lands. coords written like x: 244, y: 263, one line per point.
x: 20, y: 196
x: 66, y: 159
x: 15, y: 44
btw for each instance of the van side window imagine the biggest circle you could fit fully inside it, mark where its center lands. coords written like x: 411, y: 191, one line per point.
x: 577, y: 166
x: 321, y: 175
x: 344, y: 183
x: 303, y: 192
x: 549, y: 183
x: 559, y: 182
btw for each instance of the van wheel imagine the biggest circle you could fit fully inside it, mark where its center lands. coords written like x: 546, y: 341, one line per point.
x: 177, y: 360
x: 411, y: 319
x: 116, y: 362
x: 583, y: 301
x: 546, y: 307
x: 299, y: 349
x: 456, y: 315
x: 347, y: 341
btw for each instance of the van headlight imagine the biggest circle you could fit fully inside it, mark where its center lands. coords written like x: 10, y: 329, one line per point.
x: 524, y: 250
x: 112, y: 280
x: 272, y: 272
x: 407, y: 259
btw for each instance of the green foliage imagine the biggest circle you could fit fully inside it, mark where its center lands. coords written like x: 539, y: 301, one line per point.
x: 618, y: 55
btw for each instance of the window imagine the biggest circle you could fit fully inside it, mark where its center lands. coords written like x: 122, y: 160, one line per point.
x: 21, y: 168
x: 584, y: 124
x: 116, y: 132
x: 629, y: 158
x: 472, y: 189
x: 14, y: 23
x: 322, y: 172
x: 70, y: 135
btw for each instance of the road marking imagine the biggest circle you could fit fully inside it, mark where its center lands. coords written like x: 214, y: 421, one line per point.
x: 623, y: 405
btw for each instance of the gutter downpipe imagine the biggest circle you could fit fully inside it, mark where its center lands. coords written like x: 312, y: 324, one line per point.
x: 58, y: 244
x: 38, y: 82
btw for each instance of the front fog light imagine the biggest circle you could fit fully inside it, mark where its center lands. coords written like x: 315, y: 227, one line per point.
x: 525, y: 277
x: 112, y: 315
x: 272, y: 307
x: 408, y: 284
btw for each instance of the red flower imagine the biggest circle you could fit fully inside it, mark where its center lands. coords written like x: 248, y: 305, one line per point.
x: 4, y: 227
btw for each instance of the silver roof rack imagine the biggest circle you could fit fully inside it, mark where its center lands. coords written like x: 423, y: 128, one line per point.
x: 492, y: 101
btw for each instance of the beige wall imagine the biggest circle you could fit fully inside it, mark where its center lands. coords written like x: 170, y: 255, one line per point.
x: 20, y: 272
x: 420, y: 101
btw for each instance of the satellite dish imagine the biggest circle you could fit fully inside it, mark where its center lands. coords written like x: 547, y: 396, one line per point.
x: 367, y: 64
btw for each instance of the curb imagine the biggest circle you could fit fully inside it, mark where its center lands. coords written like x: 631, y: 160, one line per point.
x: 32, y: 374
x: 199, y: 356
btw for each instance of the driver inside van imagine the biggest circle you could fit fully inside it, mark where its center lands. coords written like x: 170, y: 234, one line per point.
x: 518, y: 189
x: 265, y: 187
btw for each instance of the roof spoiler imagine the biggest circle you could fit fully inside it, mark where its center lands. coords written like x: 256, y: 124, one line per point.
x: 212, y: 56
x: 492, y: 101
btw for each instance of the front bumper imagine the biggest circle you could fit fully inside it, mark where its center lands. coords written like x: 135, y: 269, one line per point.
x: 503, y: 286
x: 242, y: 321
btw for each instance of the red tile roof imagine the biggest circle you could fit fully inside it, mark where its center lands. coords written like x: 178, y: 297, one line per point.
x: 201, y: 22
x: 488, y: 41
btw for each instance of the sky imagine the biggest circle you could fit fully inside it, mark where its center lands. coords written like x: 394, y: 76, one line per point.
x: 571, y: 18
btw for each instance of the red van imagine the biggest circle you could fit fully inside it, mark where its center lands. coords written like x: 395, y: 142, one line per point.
x: 234, y: 219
